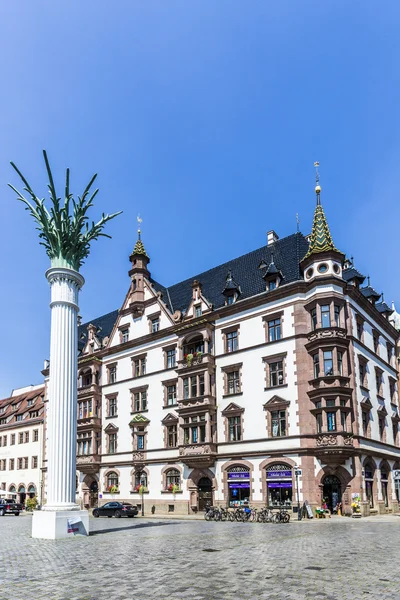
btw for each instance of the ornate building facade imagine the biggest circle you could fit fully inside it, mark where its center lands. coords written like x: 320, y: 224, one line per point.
x: 21, y: 443
x: 216, y: 388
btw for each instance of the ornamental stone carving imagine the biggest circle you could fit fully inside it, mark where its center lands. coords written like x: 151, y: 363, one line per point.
x: 191, y: 450
x: 138, y: 456
x: 326, y: 440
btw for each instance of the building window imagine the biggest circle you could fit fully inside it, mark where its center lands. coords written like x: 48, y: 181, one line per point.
x: 389, y: 348
x: 34, y: 462
x: 395, y: 426
x: 112, y: 443
x: 85, y: 409
x: 392, y: 390
x: 197, y: 311
x: 279, y: 486
x: 20, y: 438
x: 275, y: 374
x: 234, y: 429
x: 318, y: 418
x: 4, y: 440
x: 195, y: 430
x: 360, y: 329
x: 172, y: 480
x: 124, y: 336
x: 375, y: 337
x: 325, y: 315
x: 112, y: 407
x: 26, y: 437
x: 193, y: 386
x: 316, y: 365
x: 12, y: 443
x: 155, y: 325
x: 233, y: 382
x: 171, y: 358
x: 331, y: 418
x: 340, y: 362
x: 140, y: 480
x: 139, y: 366
x: 19, y: 417
x: 35, y: 435
x: 112, y: 373
x: 112, y: 481
x: 328, y: 363
x: 381, y: 421
x: 171, y: 394
x: 84, y: 443
x: 230, y: 299
x: 172, y: 436
x: 278, y: 423
x: 337, y: 310
x: 343, y: 420
x: 365, y: 422
x: 232, y: 341
x: 272, y: 285
x: 140, y: 441
x: 274, y: 330
x: 11, y: 464
x: 362, y: 370
x: 314, y: 322
x: 140, y: 401
x: 378, y: 381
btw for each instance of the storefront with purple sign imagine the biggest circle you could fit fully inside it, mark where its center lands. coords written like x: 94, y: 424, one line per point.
x: 238, y: 485
x: 279, y: 486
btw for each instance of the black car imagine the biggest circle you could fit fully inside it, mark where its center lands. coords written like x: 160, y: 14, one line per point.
x: 116, y: 509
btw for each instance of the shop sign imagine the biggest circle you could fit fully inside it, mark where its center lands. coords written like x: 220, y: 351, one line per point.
x: 280, y: 484
x: 240, y: 475
x: 278, y: 474
x: 239, y: 485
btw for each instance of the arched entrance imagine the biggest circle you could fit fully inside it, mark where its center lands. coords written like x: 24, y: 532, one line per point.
x: 22, y: 494
x: 32, y: 491
x: 205, y: 492
x: 90, y: 492
x: 332, y: 491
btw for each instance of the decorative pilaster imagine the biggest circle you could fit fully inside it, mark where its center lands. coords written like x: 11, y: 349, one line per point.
x: 62, y: 408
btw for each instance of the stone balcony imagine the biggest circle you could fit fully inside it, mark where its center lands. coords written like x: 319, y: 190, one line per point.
x: 333, y: 335
x: 88, y: 463
x: 199, y: 360
x: 207, y: 402
x: 334, y: 448
x: 88, y: 390
x: 90, y: 422
x: 329, y: 384
x: 198, y: 455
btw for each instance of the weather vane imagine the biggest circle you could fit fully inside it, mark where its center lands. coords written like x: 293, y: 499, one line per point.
x: 316, y: 165
x: 139, y: 220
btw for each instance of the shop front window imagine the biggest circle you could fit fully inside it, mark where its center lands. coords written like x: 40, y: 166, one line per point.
x: 238, y: 485
x: 384, y: 484
x: 279, y: 486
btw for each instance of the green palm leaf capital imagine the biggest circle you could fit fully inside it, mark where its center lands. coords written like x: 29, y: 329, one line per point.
x: 64, y: 229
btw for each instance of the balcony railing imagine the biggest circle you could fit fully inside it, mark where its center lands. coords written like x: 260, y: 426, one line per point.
x: 200, y: 455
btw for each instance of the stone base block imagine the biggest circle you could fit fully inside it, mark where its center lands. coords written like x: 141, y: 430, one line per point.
x: 57, y: 525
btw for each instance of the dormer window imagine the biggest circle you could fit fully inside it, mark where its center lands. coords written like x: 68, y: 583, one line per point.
x: 155, y: 325
x: 197, y: 310
x: 230, y: 299
x: 124, y: 336
x: 272, y: 285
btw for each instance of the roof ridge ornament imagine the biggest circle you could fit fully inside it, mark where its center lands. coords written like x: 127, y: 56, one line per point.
x: 139, y: 246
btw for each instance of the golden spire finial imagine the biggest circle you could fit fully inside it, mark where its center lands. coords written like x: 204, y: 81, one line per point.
x: 317, y: 186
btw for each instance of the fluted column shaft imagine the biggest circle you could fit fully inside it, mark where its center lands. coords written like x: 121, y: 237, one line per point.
x: 62, y: 406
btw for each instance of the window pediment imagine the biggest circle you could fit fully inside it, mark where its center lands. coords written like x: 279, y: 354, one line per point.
x: 111, y: 428
x: 232, y: 409
x: 366, y: 404
x: 170, y: 419
x: 276, y: 403
x: 138, y: 420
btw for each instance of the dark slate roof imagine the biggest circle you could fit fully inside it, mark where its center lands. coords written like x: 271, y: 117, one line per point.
x: 287, y: 253
x: 382, y: 307
x: 272, y: 270
x: 369, y: 292
x: 352, y: 273
x: 230, y: 284
x: 104, y: 326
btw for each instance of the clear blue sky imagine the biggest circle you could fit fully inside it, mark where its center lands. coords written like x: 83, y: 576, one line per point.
x: 206, y: 117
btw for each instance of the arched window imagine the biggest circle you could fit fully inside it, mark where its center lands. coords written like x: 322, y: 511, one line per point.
x: 32, y: 491
x: 238, y: 485
x: 369, y: 474
x: 173, y: 479
x: 112, y: 481
x: 21, y: 489
x: 12, y: 489
x: 279, y: 485
x: 140, y: 479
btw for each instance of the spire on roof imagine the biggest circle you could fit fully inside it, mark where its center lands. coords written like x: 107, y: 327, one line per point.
x: 230, y: 284
x: 321, y: 239
x: 139, y: 246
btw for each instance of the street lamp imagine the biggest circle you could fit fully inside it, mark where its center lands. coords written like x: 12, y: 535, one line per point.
x: 142, y: 482
x: 297, y: 472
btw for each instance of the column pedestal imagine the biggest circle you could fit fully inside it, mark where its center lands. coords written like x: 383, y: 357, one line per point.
x: 59, y: 524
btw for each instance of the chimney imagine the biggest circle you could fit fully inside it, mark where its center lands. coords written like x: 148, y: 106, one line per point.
x: 271, y: 237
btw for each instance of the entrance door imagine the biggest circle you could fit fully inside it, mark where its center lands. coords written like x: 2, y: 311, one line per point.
x: 94, y: 494
x: 332, y: 492
x: 205, y: 492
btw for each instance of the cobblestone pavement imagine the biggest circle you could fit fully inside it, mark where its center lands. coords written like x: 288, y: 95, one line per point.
x: 195, y: 560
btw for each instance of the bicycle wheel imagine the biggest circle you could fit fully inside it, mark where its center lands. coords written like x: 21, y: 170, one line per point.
x: 286, y: 518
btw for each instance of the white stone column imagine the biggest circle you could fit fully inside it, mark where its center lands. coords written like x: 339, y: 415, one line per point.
x: 61, y: 516
x: 62, y: 408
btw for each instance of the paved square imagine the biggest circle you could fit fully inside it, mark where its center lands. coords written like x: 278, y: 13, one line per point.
x: 171, y: 559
